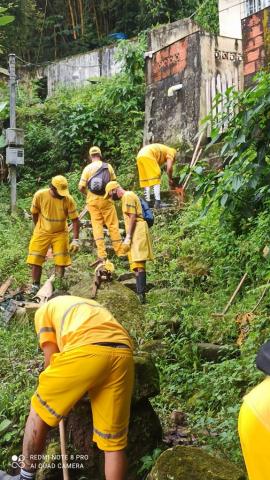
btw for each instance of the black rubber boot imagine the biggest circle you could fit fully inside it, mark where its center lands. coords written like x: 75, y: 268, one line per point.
x: 141, y: 286
x: 157, y: 204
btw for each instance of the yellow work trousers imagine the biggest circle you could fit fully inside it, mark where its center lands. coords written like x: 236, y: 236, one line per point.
x: 103, y: 212
x: 255, y: 441
x: 149, y: 171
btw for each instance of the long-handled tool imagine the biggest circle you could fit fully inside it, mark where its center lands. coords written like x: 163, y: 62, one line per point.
x: 180, y: 189
x: 63, y: 449
x: 232, y: 298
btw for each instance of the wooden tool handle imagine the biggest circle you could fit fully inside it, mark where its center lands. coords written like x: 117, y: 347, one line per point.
x: 63, y: 449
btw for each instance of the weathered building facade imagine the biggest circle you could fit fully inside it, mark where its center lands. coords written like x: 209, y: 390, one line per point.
x: 183, y: 76
x: 256, y: 43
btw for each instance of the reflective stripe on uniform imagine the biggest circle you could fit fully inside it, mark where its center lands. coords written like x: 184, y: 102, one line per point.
x: 54, y: 219
x: 71, y: 307
x: 51, y: 410
x: 111, y: 435
x: 45, y: 329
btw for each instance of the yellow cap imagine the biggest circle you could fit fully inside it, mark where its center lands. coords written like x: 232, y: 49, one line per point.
x: 61, y: 185
x: 95, y: 151
x: 110, y: 186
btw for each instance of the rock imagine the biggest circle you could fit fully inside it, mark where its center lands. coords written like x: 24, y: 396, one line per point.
x: 193, y: 463
x: 156, y: 346
x: 121, y: 301
x: 145, y: 435
x: 125, y: 276
x: 213, y: 353
x: 146, y: 378
x: 131, y: 283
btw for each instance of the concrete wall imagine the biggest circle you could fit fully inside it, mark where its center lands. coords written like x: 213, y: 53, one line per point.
x: 230, y: 13
x: 256, y: 43
x: 169, y: 119
x: 78, y: 69
x: 165, y: 35
x: 204, y: 65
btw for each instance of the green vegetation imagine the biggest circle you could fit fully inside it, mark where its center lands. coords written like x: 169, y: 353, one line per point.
x: 200, y: 258
x: 45, y: 31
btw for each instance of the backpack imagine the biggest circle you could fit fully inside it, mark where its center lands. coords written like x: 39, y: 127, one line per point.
x: 147, y: 213
x: 97, y: 183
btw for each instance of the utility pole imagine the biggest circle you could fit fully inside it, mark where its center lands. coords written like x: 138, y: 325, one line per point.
x: 12, y: 116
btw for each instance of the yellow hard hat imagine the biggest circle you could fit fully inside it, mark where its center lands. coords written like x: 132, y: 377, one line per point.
x: 61, y: 185
x: 95, y: 151
x: 110, y: 186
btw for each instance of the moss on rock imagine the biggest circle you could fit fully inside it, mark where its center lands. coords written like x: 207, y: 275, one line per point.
x: 120, y: 301
x: 192, y: 463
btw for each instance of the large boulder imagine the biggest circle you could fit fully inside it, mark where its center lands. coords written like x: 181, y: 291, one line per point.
x: 193, y: 463
x: 119, y: 300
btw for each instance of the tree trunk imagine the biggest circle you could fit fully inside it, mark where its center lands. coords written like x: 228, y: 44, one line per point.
x: 72, y: 19
x: 82, y: 17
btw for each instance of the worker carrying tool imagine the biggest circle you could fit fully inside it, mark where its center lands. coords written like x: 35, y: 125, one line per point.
x: 254, y: 422
x: 51, y: 207
x: 102, y: 211
x: 85, y: 350
x: 137, y: 244
x: 149, y: 161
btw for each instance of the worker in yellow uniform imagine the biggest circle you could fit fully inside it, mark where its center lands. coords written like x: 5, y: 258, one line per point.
x: 85, y: 350
x: 254, y: 422
x: 149, y: 162
x: 51, y: 207
x: 102, y: 211
x: 137, y: 243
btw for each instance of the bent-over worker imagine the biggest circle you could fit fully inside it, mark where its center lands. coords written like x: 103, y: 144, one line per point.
x: 137, y: 243
x: 149, y: 161
x: 102, y: 211
x: 51, y: 207
x: 85, y: 350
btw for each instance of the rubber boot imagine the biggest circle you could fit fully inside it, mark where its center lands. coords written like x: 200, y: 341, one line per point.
x: 141, y: 286
x: 157, y: 204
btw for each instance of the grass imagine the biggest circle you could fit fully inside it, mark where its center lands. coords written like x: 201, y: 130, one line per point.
x: 198, y: 264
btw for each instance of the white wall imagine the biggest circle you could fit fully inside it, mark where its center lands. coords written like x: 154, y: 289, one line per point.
x: 230, y: 18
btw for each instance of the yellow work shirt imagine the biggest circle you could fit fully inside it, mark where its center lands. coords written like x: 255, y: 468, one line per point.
x: 72, y: 322
x: 88, y: 173
x: 141, y: 245
x: 157, y: 152
x: 52, y: 212
x: 131, y: 204
x: 259, y: 402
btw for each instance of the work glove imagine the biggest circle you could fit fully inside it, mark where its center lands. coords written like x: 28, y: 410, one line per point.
x: 124, y: 247
x: 74, y: 246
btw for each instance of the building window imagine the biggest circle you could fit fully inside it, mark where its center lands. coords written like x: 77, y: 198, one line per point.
x: 253, y: 6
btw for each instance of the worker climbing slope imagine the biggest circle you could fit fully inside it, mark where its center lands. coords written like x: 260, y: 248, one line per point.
x: 137, y: 243
x: 51, y: 207
x: 149, y: 162
x: 85, y: 350
x: 102, y: 211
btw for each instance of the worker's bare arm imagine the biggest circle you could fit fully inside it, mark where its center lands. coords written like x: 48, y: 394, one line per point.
x: 83, y: 190
x: 76, y: 227
x: 35, y: 217
x: 49, y: 348
x: 132, y: 224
